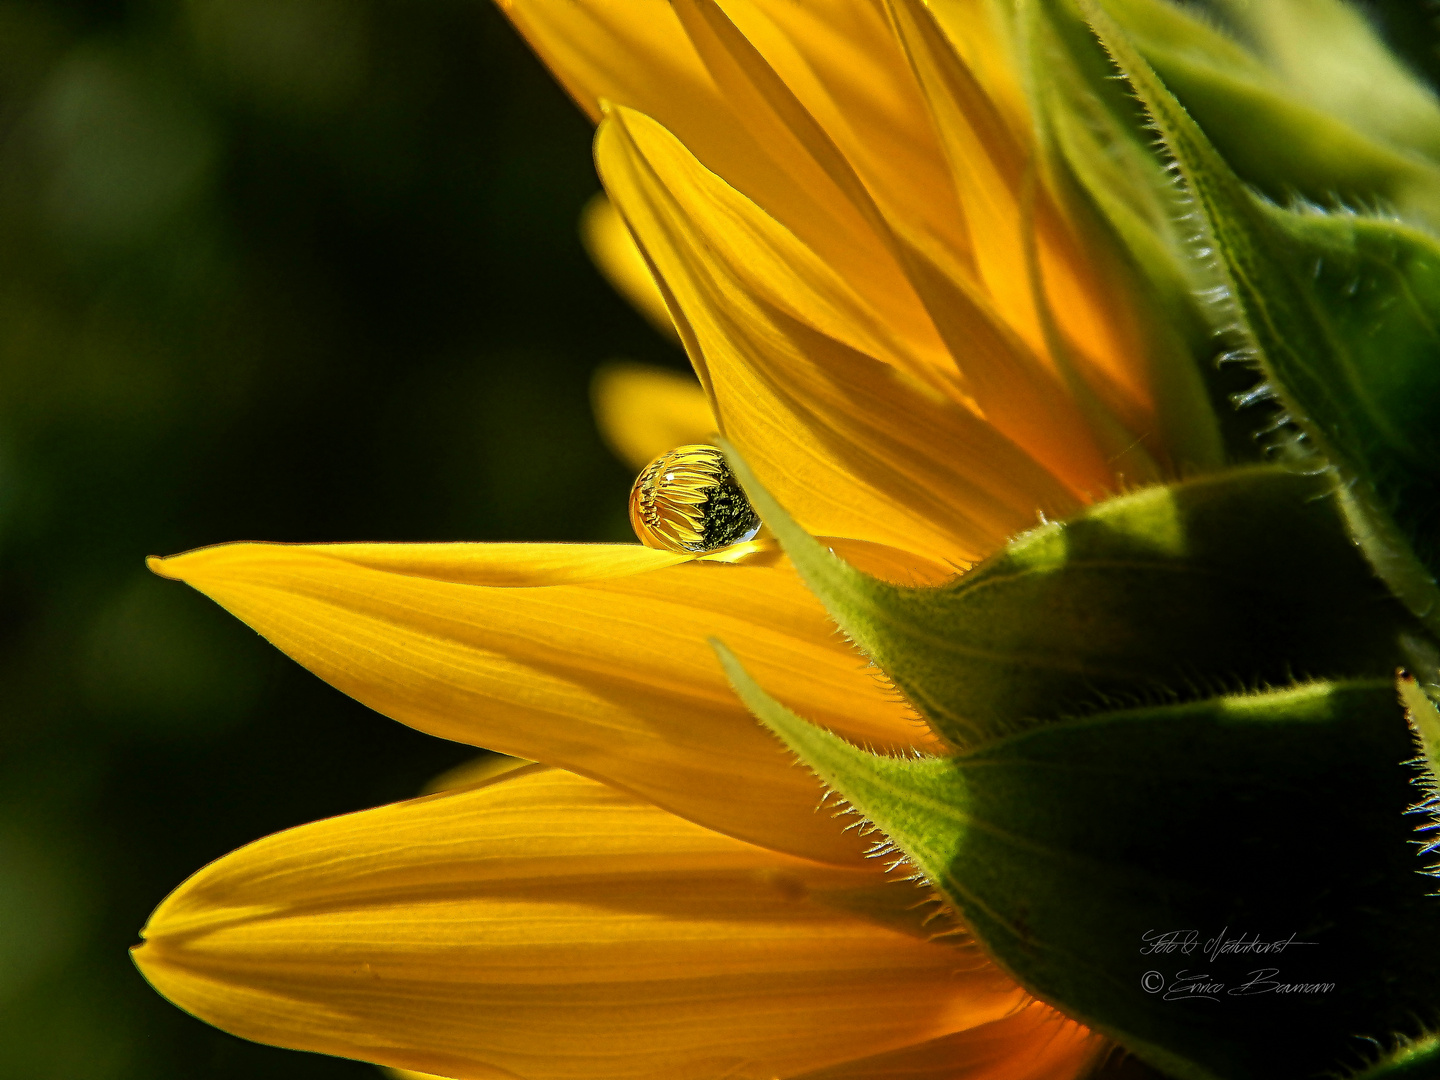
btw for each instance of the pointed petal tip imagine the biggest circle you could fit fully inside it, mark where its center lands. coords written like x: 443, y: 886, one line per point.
x: 144, y: 956
x: 159, y: 566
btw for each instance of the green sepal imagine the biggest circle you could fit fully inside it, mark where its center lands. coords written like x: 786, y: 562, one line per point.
x: 1424, y: 720
x: 1067, y: 848
x: 1315, y: 107
x: 1099, y: 151
x: 1412, y: 1059
x: 1329, y: 54
x: 1343, y: 316
x: 1273, y: 124
x: 1231, y: 581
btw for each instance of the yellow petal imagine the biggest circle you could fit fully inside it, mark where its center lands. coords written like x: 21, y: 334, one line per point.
x: 613, y: 251
x: 987, y: 162
x: 770, y: 115
x: 983, y: 33
x: 638, y: 54
x: 857, y: 449
x: 497, y: 565
x: 1036, y: 1043
x: 644, y: 411
x: 723, y: 258
x: 841, y: 60
x: 854, y: 240
x: 630, y: 53
x: 554, y: 928
x: 992, y: 327
x: 611, y: 678
x: 992, y: 167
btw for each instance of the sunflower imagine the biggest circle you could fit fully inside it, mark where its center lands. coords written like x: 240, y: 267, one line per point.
x: 931, y: 305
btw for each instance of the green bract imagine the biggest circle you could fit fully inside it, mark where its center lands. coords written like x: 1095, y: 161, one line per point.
x: 1300, y: 97
x: 1070, y: 848
x: 1240, y: 580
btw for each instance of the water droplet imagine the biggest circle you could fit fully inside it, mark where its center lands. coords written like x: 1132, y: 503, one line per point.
x: 688, y: 500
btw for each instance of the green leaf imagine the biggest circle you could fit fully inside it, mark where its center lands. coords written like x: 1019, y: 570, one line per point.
x: 1344, y: 316
x: 1233, y: 581
x: 1068, y: 849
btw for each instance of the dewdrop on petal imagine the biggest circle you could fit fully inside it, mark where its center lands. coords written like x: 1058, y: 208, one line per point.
x: 688, y: 500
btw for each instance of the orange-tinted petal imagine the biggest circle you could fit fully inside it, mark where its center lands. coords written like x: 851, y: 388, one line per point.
x: 632, y: 52
x: 610, y: 677
x: 1009, y: 211
x: 644, y: 412
x: 638, y: 54
x: 1036, y: 1043
x: 987, y: 162
x: 840, y: 59
x: 983, y: 33
x: 858, y: 449
x: 554, y: 928
x: 856, y: 241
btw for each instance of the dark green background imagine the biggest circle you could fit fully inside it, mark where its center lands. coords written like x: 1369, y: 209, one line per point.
x: 269, y: 269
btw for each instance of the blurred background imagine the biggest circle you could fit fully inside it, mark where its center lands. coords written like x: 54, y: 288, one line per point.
x: 269, y: 269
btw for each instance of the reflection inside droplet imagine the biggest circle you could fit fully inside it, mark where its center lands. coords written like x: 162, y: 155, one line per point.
x: 688, y: 500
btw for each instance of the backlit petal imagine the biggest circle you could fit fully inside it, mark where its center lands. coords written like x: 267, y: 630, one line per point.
x: 1034, y: 1044
x: 644, y: 411
x: 610, y: 677
x: 638, y: 54
x: 983, y: 33
x: 858, y: 449
x: 554, y: 928
x: 840, y: 59
x: 733, y: 107
x: 857, y: 242
x: 1008, y: 211
x: 987, y: 161
x: 1026, y: 399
